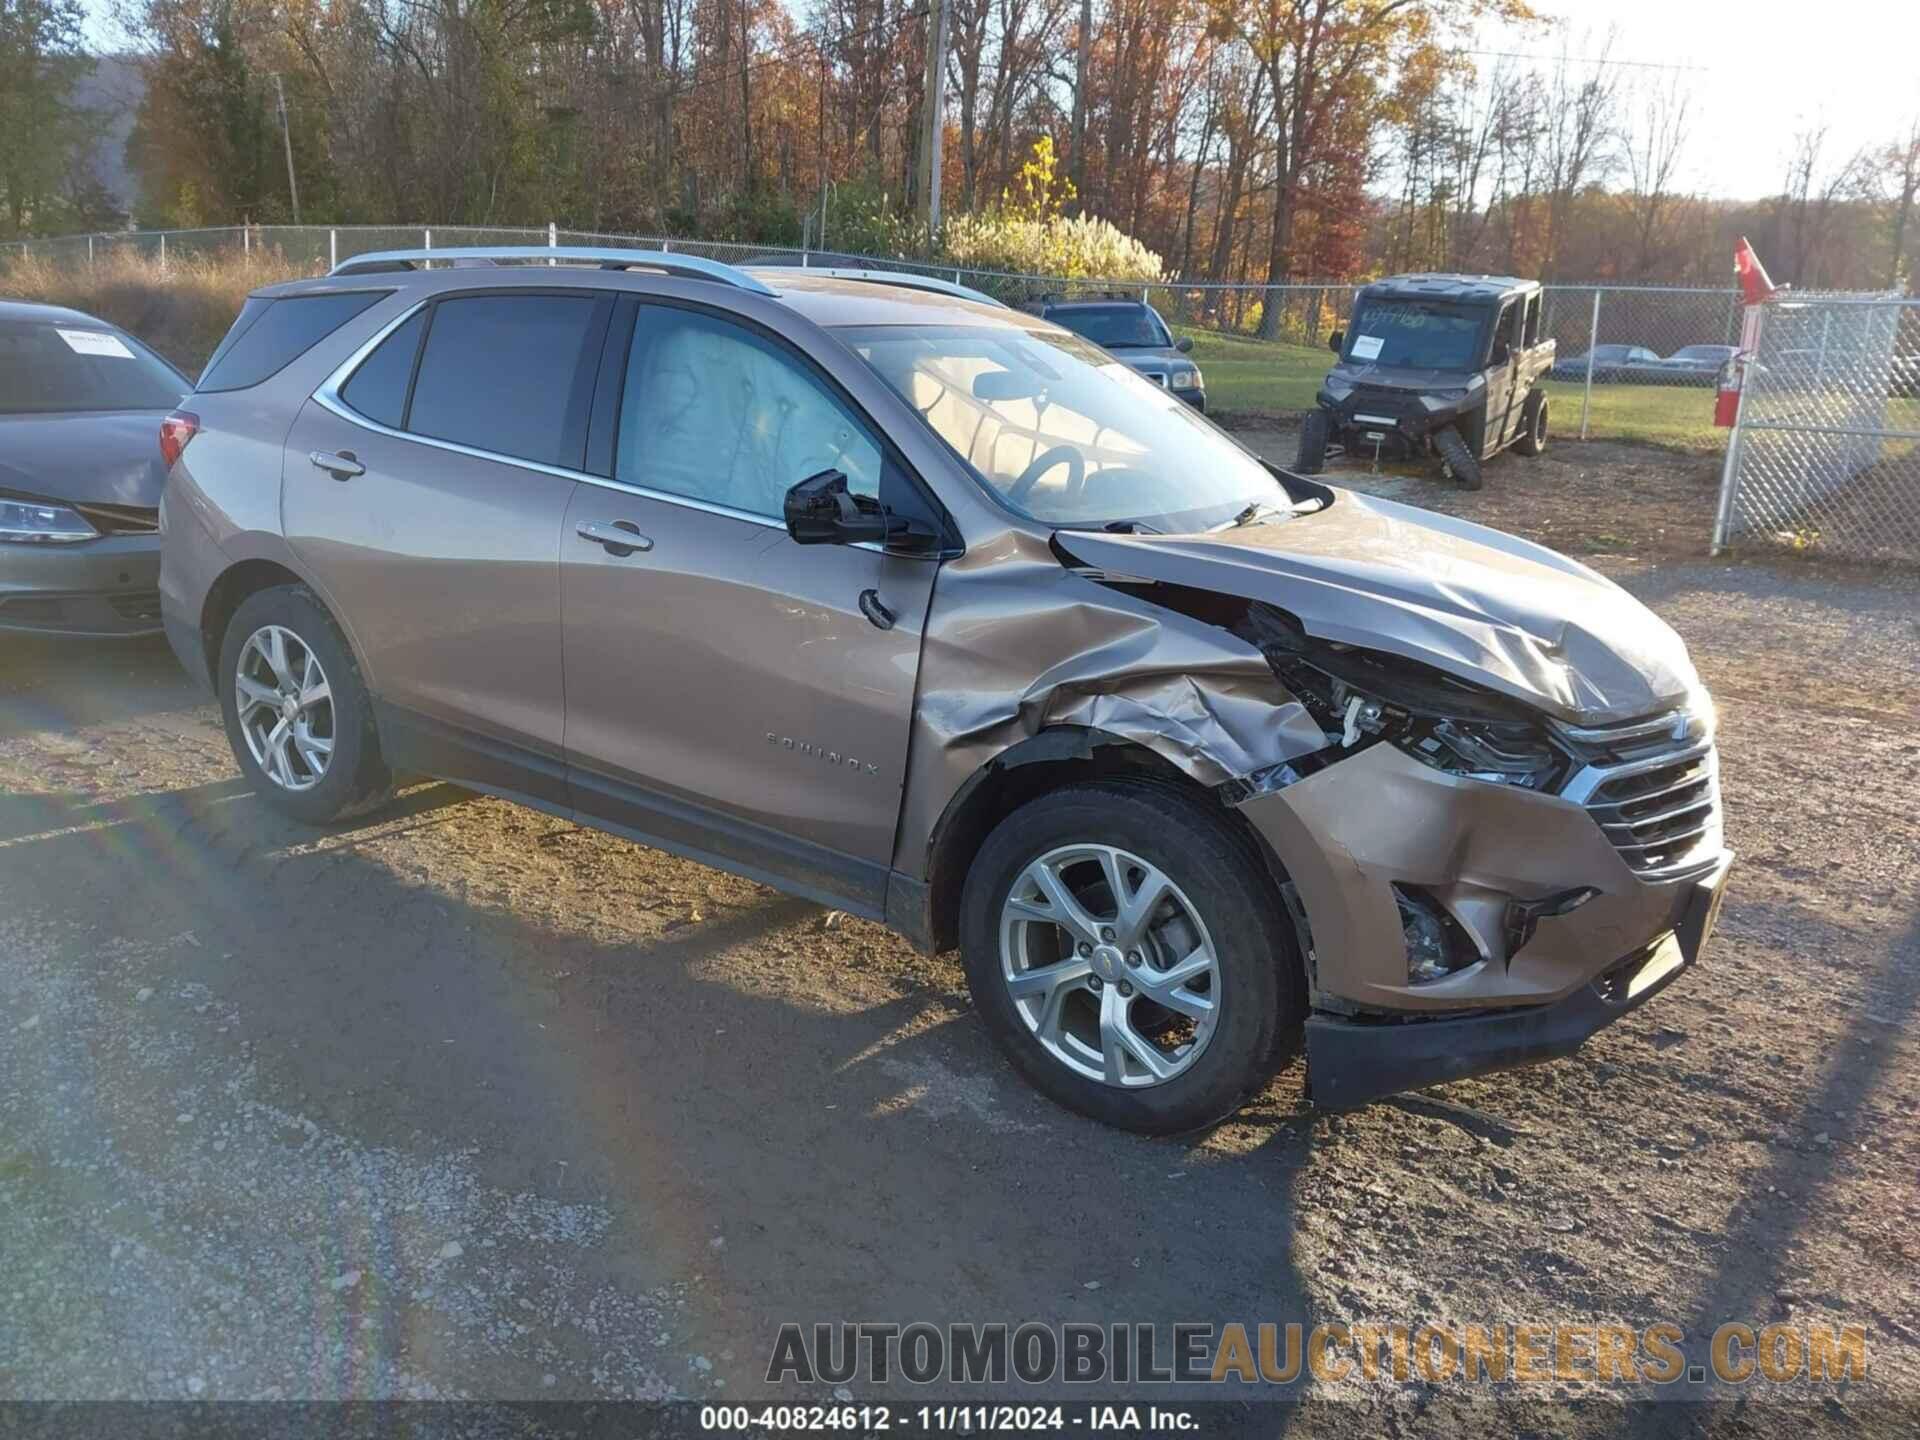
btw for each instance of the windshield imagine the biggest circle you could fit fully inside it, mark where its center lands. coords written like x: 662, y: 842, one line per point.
x: 1703, y: 352
x: 1417, y: 334
x: 49, y: 367
x: 1062, y: 432
x: 1117, y: 327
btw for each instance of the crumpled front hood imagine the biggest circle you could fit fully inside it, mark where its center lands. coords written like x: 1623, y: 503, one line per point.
x: 98, y: 457
x: 1486, y: 607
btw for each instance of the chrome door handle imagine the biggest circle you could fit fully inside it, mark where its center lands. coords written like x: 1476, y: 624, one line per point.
x: 622, y: 537
x: 342, y: 466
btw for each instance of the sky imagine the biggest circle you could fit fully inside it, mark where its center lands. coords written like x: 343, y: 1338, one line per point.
x: 1758, y: 72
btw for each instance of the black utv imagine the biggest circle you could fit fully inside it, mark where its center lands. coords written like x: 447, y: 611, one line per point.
x: 1445, y: 365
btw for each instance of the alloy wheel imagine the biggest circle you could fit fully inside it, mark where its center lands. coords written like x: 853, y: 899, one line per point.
x: 1109, y: 965
x: 285, y: 707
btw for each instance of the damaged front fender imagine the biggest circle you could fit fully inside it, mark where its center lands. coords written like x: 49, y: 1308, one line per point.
x: 1017, y: 644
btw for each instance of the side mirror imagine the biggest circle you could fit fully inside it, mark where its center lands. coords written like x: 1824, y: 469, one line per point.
x: 1337, y: 341
x: 1184, y: 344
x: 1501, y: 354
x: 820, y: 510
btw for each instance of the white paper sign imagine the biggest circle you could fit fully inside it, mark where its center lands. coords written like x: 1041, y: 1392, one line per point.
x: 95, y: 342
x: 1367, y: 347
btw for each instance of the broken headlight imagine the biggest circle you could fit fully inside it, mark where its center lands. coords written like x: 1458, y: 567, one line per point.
x: 1361, y: 697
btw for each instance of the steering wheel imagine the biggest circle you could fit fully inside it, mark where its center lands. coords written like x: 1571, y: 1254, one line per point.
x: 1068, y: 455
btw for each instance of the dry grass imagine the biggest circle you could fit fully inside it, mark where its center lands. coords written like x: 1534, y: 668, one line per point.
x: 182, y: 311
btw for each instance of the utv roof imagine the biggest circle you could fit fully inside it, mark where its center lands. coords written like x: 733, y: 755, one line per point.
x: 1469, y: 288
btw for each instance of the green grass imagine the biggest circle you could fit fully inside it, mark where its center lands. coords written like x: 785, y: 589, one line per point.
x: 1256, y: 377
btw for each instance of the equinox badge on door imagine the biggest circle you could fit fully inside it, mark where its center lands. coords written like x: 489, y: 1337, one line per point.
x: 832, y: 757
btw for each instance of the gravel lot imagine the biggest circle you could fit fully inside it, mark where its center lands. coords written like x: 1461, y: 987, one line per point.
x: 465, y: 1101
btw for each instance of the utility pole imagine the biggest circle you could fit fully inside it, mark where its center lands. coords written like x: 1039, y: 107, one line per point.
x: 933, y: 115
x: 286, y: 135
x: 820, y: 241
x: 1077, y: 162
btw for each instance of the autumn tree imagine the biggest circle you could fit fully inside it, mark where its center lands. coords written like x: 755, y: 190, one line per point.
x: 44, y: 138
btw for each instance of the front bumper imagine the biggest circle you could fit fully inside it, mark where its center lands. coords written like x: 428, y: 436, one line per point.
x: 1352, y: 1061
x: 106, y: 588
x: 1348, y: 835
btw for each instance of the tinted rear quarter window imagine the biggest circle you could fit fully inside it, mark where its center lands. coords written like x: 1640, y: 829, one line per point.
x: 378, y: 389
x: 505, y: 373
x: 271, y: 333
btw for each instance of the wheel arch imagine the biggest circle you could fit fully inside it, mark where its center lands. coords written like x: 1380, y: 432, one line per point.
x: 1059, y: 756
x: 232, y: 588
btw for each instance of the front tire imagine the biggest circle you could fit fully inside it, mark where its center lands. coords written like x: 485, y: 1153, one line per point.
x: 1533, y: 432
x: 1456, y: 460
x: 1315, y: 430
x: 1128, y: 952
x: 297, y: 712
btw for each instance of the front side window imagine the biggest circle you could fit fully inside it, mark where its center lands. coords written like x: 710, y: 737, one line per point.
x: 508, y: 374
x: 48, y: 367
x: 1116, y: 327
x: 1064, y: 433
x: 718, y: 413
x: 1417, y: 334
x: 272, y: 333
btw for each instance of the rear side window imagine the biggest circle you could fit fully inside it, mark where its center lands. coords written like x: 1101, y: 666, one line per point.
x: 271, y: 333
x: 378, y: 389
x: 510, y: 374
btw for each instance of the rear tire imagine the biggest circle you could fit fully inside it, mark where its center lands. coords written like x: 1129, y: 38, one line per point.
x: 1093, y: 1037
x: 1314, y: 432
x: 1533, y: 430
x: 1456, y: 460
x: 297, y: 712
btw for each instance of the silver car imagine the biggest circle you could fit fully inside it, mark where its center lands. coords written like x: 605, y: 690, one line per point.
x: 927, y: 609
x: 80, y: 473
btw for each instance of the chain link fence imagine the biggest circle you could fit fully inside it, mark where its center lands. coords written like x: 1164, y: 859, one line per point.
x: 1633, y: 362
x: 1825, y: 455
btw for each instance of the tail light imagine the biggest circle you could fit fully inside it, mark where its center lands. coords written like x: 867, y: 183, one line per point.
x: 175, y: 431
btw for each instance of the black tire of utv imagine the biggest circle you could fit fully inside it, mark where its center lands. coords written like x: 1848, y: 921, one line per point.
x: 1533, y: 431
x: 1315, y: 430
x: 1460, y: 461
x: 1262, y: 991
x: 357, y: 778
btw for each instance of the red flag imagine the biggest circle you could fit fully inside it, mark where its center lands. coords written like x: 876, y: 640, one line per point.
x: 1755, y: 286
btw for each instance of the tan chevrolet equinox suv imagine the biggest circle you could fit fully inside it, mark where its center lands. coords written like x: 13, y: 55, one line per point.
x: 886, y: 595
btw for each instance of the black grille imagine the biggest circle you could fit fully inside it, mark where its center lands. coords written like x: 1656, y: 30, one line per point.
x: 121, y: 519
x: 33, y: 609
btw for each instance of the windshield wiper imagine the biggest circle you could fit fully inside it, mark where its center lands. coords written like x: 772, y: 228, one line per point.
x: 1257, y: 511
x: 1130, y: 527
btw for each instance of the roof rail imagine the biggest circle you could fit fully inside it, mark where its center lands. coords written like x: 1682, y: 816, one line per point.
x: 693, y: 266
x: 906, y: 280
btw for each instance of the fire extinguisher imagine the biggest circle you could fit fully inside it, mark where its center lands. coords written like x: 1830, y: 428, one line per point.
x: 1756, y: 289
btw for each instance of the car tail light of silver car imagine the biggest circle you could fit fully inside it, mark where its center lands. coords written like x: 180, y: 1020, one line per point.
x: 175, y: 431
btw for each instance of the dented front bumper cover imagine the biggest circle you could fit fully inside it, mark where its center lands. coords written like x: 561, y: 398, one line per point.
x: 1352, y: 1060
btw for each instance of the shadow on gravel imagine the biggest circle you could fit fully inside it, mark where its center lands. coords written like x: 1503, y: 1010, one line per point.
x: 51, y: 683
x: 1784, y: 1199
x: 786, y: 1156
